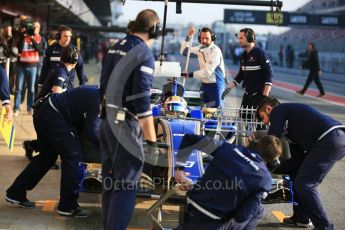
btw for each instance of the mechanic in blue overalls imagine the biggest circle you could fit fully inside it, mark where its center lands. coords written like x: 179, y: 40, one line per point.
x: 58, y: 81
x: 5, y: 94
x: 316, y: 144
x: 56, y: 117
x: 255, y: 71
x: 126, y: 80
x: 53, y: 54
x: 229, y: 194
x: 211, y: 63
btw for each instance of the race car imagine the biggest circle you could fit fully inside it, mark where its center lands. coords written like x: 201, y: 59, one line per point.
x: 173, y: 119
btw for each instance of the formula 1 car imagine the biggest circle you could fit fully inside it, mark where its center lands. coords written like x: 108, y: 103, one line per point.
x: 173, y: 119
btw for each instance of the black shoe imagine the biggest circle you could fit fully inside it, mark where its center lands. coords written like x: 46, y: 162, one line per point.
x: 55, y: 166
x: 28, y: 149
x: 321, y: 95
x: 293, y: 222
x: 24, y: 204
x: 78, y: 212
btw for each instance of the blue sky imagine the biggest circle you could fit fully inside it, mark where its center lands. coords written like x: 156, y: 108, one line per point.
x: 200, y: 13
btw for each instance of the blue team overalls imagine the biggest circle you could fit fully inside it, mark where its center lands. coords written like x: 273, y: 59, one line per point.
x: 316, y: 143
x: 58, y: 76
x: 126, y: 80
x: 242, y: 182
x: 255, y: 72
x: 55, y: 121
x: 52, y: 57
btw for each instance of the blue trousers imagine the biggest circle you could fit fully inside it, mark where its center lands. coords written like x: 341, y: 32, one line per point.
x: 122, y: 162
x: 197, y: 220
x: 25, y: 74
x: 211, y: 95
x: 313, y: 170
x: 55, y: 137
x: 308, y: 171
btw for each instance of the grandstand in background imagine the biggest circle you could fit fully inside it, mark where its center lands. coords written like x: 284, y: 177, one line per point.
x: 329, y: 41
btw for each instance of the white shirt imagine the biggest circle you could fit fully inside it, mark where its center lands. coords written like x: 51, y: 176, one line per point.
x: 210, y: 60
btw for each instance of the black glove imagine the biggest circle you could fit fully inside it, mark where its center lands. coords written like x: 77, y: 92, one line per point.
x: 226, y: 91
x: 273, y: 165
x: 187, y: 74
x: 151, y: 151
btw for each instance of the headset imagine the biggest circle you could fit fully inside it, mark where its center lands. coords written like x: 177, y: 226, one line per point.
x: 250, y: 35
x: 58, y: 36
x: 73, y: 57
x: 205, y: 29
x: 154, y: 31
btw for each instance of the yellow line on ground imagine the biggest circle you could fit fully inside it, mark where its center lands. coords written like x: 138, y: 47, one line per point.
x: 171, y: 208
x: 40, y: 203
x: 49, y: 205
x: 279, y: 215
x: 90, y: 205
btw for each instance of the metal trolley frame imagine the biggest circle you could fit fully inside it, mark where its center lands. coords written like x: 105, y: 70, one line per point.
x: 244, y: 119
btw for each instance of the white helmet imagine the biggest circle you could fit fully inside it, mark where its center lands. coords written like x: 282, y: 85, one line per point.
x: 175, y: 105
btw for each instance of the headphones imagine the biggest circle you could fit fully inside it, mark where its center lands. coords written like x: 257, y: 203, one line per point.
x: 250, y: 35
x: 58, y: 36
x: 205, y: 29
x: 73, y: 56
x: 154, y: 31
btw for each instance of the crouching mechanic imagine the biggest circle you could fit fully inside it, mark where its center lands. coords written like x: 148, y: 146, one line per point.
x: 55, y: 119
x: 58, y: 81
x: 316, y: 143
x: 229, y: 194
x: 211, y: 63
